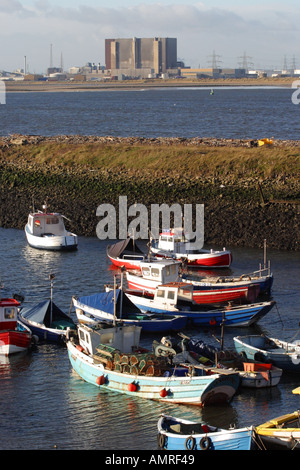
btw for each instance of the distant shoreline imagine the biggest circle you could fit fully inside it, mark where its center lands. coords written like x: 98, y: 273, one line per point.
x: 40, y: 86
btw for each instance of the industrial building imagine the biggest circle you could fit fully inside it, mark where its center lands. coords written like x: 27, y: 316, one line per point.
x: 141, y: 57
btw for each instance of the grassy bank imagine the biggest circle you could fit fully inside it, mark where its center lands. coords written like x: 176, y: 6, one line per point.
x: 249, y: 193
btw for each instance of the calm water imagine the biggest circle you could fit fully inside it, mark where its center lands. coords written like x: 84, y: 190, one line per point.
x: 229, y: 113
x: 45, y: 405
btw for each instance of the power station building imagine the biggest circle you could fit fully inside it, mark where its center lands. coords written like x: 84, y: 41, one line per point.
x: 141, y: 57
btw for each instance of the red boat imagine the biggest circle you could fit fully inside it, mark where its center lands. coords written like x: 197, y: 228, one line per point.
x: 173, y: 244
x: 126, y: 253
x: 14, y: 336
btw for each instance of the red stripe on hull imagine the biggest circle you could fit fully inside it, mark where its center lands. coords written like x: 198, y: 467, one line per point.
x: 18, y: 339
x: 128, y: 264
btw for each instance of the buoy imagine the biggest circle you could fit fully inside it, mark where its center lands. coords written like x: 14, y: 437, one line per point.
x: 212, y: 322
x: 100, y: 380
x: 131, y: 387
x: 163, y: 393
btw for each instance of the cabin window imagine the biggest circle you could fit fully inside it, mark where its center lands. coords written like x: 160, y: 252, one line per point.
x: 155, y: 272
x: 52, y: 220
x: 81, y: 334
x: 164, y: 238
x: 171, y: 295
x: 146, y: 271
x: 160, y: 293
x: 9, y: 313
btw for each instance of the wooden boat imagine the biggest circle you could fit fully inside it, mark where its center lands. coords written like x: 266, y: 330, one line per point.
x: 110, y: 358
x: 282, y: 432
x: 153, y: 275
x: 181, y: 434
x: 46, y: 231
x: 262, y: 348
x: 172, y: 243
x: 177, y: 298
x: 116, y: 305
x: 14, y: 336
x: 126, y: 253
x: 47, y: 321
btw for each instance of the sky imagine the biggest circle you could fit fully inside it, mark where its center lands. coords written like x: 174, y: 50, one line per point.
x: 266, y: 32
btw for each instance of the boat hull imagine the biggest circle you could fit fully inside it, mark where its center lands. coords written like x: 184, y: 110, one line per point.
x: 201, y: 294
x: 235, y: 316
x: 253, y: 347
x: 12, y: 342
x: 218, y: 259
x: 282, y: 432
x: 52, y: 335
x: 127, y: 263
x: 189, y: 390
x: 67, y: 242
x: 209, y: 439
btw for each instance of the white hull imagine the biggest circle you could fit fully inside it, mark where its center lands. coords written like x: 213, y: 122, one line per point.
x: 52, y: 242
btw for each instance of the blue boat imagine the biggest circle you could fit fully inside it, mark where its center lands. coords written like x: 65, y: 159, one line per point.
x: 176, y: 298
x: 110, y: 357
x: 263, y: 348
x: 180, y: 434
x: 115, y: 305
x: 47, y: 321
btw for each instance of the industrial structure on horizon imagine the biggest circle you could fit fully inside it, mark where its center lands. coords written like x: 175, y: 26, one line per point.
x: 144, y: 58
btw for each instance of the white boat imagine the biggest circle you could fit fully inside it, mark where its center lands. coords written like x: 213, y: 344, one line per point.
x: 46, y: 231
x: 172, y: 243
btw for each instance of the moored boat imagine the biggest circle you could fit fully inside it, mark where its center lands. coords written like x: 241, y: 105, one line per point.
x: 15, y: 337
x: 47, y: 321
x: 182, y: 434
x: 126, y: 253
x: 113, y: 305
x: 172, y: 243
x: 280, y: 433
x: 177, y: 298
x: 263, y: 348
x: 46, y: 231
x: 154, y: 274
x: 110, y: 358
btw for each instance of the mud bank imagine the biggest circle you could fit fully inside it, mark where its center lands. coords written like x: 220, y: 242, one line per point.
x: 240, y: 209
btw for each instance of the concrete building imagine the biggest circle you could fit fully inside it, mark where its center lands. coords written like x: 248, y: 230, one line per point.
x: 141, y: 57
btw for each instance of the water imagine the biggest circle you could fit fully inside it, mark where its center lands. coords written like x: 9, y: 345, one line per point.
x: 45, y: 405
x: 230, y: 113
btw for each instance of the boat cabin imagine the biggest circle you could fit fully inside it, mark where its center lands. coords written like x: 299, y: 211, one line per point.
x: 164, y: 271
x: 41, y: 224
x: 124, y: 338
x: 175, y: 294
x: 8, y: 314
x: 173, y: 240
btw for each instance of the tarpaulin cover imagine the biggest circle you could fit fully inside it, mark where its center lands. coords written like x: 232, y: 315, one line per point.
x: 105, y: 302
x: 127, y: 247
x: 41, y: 313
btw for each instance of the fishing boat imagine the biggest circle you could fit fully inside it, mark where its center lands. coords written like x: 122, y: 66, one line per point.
x: 263, y: 348
x: 110, y: 357
x: 182, y: 435
x: 15, y: 337
x: 126, y: 253
x: 177, y: 298
x: 173, y: 243
x: 252, y: 374
x: 281, y: 433
x: 46, y: 231
x: 47, y: 321
x: 152, y: 275
x: 114, y: 304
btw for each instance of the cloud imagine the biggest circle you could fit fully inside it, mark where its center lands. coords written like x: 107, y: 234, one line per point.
x: 79, y: 32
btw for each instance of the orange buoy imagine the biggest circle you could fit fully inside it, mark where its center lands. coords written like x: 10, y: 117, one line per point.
x: 212, y: 322
x: 100, y: 380
x: 131, y: 387
x: 163, y: 393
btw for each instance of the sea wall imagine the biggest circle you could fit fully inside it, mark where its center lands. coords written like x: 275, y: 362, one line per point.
x: 239, y: 210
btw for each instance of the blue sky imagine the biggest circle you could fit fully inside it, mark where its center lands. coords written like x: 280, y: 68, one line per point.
x: 266, y: 31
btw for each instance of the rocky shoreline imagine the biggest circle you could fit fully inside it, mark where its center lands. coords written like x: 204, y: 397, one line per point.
x: 237, y: 212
